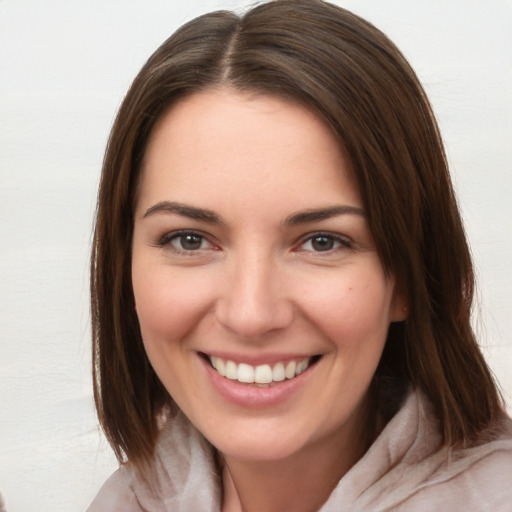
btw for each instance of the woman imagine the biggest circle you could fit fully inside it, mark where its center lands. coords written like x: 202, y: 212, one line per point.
x: 281, y: 285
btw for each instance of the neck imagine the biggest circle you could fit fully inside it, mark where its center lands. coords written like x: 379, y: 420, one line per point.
x: 301, y: 482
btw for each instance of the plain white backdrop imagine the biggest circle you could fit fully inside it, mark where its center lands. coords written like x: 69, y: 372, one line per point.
x: 64, y: 68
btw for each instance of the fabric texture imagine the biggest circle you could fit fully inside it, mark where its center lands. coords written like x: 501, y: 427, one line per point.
x: 406, y: 469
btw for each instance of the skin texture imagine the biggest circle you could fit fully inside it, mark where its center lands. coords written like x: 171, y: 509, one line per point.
x: 254, y: 287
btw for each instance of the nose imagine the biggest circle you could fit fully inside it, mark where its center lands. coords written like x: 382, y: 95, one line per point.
x: 253, y: 301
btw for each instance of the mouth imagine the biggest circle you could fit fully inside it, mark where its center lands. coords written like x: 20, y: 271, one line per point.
x: 263, y: 375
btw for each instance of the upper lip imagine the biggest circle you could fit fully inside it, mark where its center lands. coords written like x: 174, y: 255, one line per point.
x: 259, y: 359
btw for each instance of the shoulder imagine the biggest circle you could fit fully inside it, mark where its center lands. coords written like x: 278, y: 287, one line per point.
x: 115, y: 495
x: 477, y: 479
x: 408, y: 469
x: 181, y: 475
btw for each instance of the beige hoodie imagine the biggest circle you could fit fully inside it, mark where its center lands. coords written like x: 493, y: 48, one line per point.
x: 404, y: 470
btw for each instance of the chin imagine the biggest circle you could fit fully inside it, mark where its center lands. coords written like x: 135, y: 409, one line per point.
x: 258, y: 450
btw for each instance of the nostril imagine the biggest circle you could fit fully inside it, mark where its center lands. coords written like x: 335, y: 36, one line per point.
x: 251, y: 319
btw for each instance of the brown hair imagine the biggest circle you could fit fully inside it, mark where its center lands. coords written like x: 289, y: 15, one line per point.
x: 351, y: 75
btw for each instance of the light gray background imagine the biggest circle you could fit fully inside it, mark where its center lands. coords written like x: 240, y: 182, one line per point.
x: 64, y: 67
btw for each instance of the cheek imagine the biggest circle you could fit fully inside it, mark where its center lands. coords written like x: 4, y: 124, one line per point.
x: 168, y: 303
x: 352, y: 311
x: 169, y: 306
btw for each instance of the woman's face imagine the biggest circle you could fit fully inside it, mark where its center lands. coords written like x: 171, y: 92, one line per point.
x: 252, y: 254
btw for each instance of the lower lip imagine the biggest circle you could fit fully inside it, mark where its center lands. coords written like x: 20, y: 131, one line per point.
x: 252, y: 396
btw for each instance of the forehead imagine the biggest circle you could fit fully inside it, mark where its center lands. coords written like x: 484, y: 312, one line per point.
x: 220, y: 143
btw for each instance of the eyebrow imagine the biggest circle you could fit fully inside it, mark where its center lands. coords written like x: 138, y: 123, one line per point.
x: 314, y: 215
x: 205, y: 215
x: 184, y: 210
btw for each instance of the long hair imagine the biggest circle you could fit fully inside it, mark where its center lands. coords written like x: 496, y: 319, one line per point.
x: 353, y: 77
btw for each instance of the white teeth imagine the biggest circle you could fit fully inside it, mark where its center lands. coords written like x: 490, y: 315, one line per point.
x: 221, y: 367
x: 263, y: 374
x: 278, y: 373
x: 245, y: 373
x: 231, y: 370
x: 290, y: 369
x: 301, y: 367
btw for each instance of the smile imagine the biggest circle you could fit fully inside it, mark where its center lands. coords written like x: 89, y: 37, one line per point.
x: 264, y: 374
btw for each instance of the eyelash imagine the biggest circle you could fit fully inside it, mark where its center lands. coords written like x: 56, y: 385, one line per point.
x: 168, y: 238
x: 343, y: 242
x: 337, y: 241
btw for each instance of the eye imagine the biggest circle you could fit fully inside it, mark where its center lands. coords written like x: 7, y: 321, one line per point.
x: 185, y: 241
x: 324, y: 242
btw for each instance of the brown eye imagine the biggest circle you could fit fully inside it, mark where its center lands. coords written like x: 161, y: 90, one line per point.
x: 322, y: 243
x: 188, y: 241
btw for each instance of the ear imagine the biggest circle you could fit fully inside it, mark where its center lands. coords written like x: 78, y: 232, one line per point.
x: 399, y: 306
